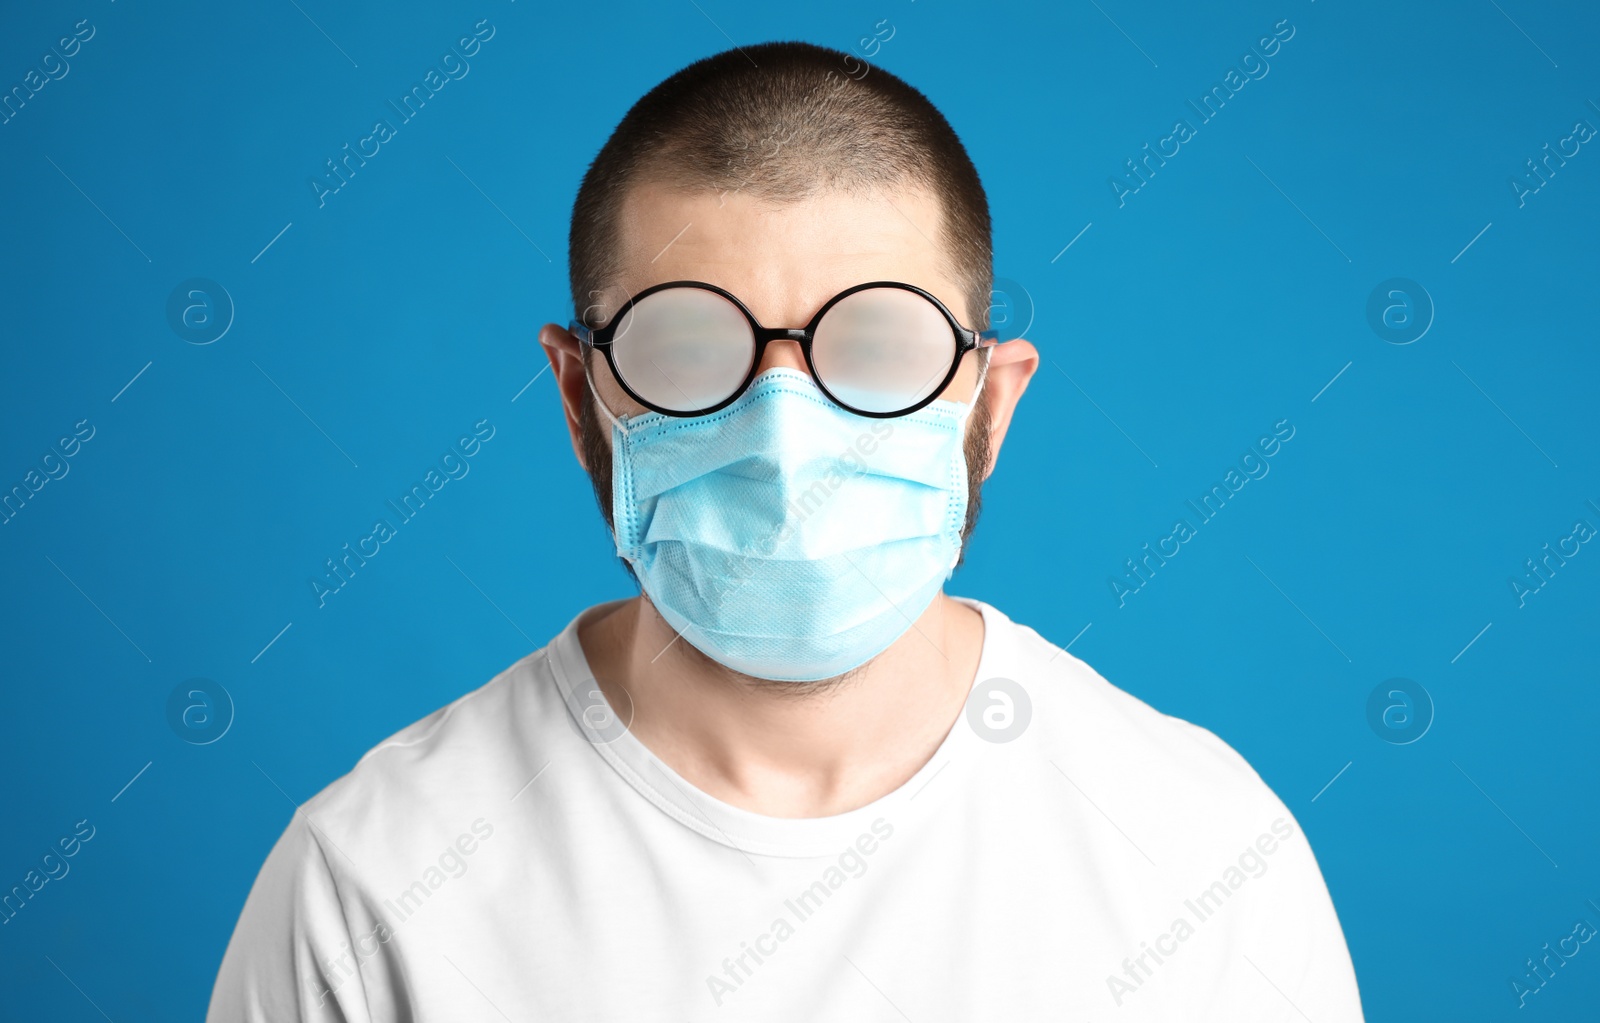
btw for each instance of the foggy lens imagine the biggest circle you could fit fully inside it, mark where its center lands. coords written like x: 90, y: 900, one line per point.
x: 683, y: 349
x: 883, y: 349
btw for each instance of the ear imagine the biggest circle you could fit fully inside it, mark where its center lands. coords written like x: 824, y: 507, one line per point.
x: 1011, y: 365
x: 565, y: 353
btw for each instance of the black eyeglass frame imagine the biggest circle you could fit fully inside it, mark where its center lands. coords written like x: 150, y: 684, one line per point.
x: 602, y: 338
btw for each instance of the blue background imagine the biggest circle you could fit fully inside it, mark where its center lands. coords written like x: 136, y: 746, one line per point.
x: 1220, y: 298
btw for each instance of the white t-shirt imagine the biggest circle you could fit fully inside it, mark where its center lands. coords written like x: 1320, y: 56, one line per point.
x: 1068, y: 853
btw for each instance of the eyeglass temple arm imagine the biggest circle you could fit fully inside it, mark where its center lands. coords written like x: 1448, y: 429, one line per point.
x: 581, y: 332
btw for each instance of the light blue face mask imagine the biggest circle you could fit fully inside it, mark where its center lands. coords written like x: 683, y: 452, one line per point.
x: 784, y: 536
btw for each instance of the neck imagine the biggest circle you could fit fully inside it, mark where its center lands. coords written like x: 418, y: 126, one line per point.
x: 788, y: 749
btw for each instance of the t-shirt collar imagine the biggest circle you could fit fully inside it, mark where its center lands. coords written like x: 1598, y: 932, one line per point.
x: 742, y: 829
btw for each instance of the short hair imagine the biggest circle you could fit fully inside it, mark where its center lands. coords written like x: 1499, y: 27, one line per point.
x: 782, y: 122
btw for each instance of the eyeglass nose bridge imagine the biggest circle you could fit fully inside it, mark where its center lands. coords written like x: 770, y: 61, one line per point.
x: 800, y: 335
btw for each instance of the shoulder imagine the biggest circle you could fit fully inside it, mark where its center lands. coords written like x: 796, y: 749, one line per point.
x: 1214, y: 834
x: 467, y: 754
x: 427, y: 794
x: 1179, y: 776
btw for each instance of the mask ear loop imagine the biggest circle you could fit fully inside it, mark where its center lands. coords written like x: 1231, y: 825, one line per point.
x: 618, y: 514
x: 977, y: 392
x: 966, y: 413
x: 588, y: 378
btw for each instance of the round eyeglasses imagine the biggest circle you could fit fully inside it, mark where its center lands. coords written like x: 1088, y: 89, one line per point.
x: 880, y: 349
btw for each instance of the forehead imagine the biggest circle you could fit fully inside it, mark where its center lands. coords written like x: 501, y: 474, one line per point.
x: 784, y: 261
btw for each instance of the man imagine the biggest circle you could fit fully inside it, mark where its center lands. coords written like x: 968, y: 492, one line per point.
x: 792, y: 780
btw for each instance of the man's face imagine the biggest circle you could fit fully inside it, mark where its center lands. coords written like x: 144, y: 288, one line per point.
x: 783, y: 262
